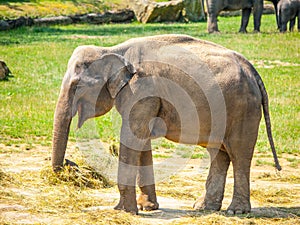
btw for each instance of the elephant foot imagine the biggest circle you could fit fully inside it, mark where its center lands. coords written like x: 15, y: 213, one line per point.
x: 145, y: 204
x: 131, y: 209
x: 127, y: 201
x: 214, y: 32
x: 202, y: 204
x: 242, y: 31
x: 239, y: 207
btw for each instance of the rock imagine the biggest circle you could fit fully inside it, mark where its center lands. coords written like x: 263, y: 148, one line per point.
x: 95, y: 18
x: 193, y: 10
x: 108, y: 17
x: 62, y: 20
x: 148, y: 11
x: 4, y: 25
x: 268, y: 9
x: 126, y: 15
x: 4, y: 71
x: 11, y: 24
x: 79, y: 18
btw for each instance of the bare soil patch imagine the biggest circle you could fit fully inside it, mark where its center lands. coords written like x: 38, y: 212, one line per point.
x: 272, y: 63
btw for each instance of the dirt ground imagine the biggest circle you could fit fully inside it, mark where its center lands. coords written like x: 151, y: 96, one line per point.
x: 27, y: 198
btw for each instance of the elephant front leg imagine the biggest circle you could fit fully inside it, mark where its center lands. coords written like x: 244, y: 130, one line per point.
x: 212, y: 24
x: 215, y: 182
x: 127, y: 200
x: 127, y: 173
x: 147, y: 199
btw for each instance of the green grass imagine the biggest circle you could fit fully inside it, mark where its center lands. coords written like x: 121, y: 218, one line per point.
x: 260, y: 162
x: 293, y: 162
x: 38, y: 56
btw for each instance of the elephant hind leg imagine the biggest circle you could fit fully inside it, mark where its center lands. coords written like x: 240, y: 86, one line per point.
x: 241, y: 195
x: 240, y: 148
x: 298, y: 19
x: 292, y: 24
x: 245, y: 20
x: 215, y: 182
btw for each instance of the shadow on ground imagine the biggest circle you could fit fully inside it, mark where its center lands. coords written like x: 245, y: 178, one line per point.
x: 259, y: 212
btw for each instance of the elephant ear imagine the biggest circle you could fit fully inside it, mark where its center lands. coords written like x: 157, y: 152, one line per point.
x: 119, y: 70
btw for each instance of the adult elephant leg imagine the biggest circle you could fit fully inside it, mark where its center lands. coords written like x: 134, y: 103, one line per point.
x: 276, y: 14
x: 241, y: 194
x: 127, y: 172
x: 257, y: 13
x: 212, y: 23
x: 212, y: 20
x: 241, y: 146
x: 215, y: 182
x: 245, y: 20
x: 147, y: 199
x: 135, y: 158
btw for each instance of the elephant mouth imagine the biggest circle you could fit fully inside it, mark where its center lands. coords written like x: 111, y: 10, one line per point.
x: 81, y: 118
x: 78, y: 108
x: 85, y: 111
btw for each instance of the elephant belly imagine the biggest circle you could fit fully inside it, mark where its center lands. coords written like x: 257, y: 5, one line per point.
x: 184, y: 126
x: 236, y: 5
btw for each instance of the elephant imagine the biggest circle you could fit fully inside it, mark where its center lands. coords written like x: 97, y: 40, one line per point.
x: 214, y: 7
x: 288, y: 10
x: 187, y: 90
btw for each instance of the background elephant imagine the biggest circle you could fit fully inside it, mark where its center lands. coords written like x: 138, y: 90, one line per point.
x: 288, y: 10
x: 214, y: 7
x: 187, y: 90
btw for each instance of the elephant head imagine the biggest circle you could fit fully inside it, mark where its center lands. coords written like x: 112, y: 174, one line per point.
x: 93, y: 80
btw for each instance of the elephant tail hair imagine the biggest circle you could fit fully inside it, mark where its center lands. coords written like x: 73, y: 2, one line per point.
x: 265, y: 106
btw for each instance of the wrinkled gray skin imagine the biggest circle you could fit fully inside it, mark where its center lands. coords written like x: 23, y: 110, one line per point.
x: 214, y: 7
x: 288, y: 10
x: 131, y: 76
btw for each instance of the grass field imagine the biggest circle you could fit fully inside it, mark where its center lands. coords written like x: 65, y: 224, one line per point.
x: 38, y: 56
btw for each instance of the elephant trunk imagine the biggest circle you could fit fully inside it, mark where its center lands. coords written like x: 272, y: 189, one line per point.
x: 61, y: 127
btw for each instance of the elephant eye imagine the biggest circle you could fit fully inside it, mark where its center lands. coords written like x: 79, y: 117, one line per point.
x: 86, y: 64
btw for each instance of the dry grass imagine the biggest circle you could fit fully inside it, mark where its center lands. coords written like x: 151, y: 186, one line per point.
x: 223, y: 220
x: 81, y: 196
x: 276, y: 196
x: 80, y: 177
x: 289, y: 178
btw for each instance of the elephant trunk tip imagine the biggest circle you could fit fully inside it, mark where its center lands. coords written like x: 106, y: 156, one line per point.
x: 57, y: 168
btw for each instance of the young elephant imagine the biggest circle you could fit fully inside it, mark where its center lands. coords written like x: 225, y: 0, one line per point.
x: 174, y: 86
x: 288, y: 10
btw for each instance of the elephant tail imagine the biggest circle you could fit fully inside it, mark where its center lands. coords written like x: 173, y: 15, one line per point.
x: 265, y: 106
